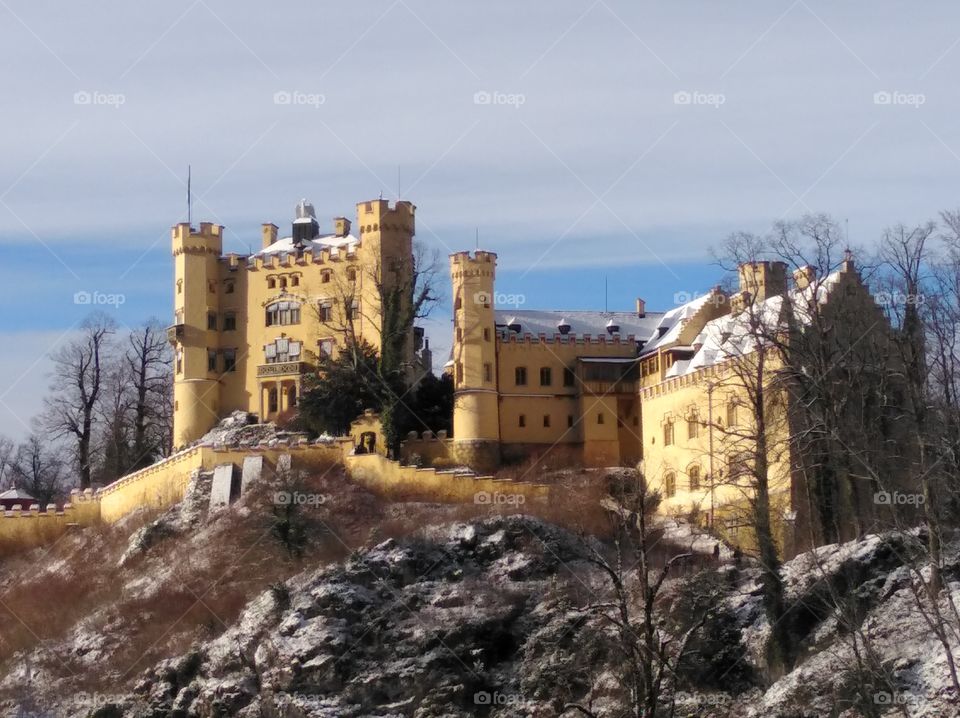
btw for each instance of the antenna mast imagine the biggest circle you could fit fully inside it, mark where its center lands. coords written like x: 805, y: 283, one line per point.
x: 189, y: 198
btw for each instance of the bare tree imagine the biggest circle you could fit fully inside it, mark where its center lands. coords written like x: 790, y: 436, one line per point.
x: 148, y: 363
x: 7, y: 456
x: 39, y: 470
x: 75, y: 390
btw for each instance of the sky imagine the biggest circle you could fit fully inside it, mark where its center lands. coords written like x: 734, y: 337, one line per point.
x: 591, y: 144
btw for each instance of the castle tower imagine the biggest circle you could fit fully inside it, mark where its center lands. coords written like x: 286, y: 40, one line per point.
x: 195, y: 335
x: 385, y: 254
x: 476, y: 420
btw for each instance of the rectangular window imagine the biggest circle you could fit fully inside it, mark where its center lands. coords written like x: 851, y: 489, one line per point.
x: 353, y: 310
x: 229, y: 322
x: 488, y: 372
x: 325, y: 311
x: 486, y: 334
x: 326, y: 347
x: 693, y: 427
x: 520, y: 376
x: 228, y: 287
x: 600, y: 417
x: 569, y: 378
x: 668, y: 433
x: 546, y: 376
x: 459, y: 376
x: 212, y: 321
x: 229, y: 359
x: 211, y: 359
x: 546, y: 421
x: 731, y: 414
x: 569, y: 421
x: 180, y: 361
x: 522, y: 421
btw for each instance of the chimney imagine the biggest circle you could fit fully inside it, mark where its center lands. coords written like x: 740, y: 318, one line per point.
x: 641, y: 308
x: 848, y: 263
x: 804, y: 276
x: 341, y: 226
x: 269, y: 232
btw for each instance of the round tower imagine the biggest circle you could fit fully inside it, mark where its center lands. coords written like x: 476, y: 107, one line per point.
x: 476, y: 419
x: 195, y: 334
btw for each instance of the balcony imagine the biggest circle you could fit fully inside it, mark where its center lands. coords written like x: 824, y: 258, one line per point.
x: 284, y: 368
x: 175, y: 333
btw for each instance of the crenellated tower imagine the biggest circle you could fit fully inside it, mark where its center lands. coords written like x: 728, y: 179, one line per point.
x: 476, y: 420
x: 194, y: 335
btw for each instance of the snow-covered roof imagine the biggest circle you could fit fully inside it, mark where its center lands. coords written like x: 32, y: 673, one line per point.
x: 730, y: 336
x: 671, y: 324
x: 535, y: 321
x: 16, y: 494
x: 326, y: 241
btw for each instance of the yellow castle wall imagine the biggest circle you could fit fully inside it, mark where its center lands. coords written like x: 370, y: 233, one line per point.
x: 26, y: 529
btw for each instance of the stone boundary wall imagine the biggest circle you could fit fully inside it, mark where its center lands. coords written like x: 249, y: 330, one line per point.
x: 29, y: 526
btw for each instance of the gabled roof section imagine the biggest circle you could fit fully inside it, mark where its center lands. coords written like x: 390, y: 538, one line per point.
x: 534, y: 321
x: 327, y: 241
x: 671, y: 328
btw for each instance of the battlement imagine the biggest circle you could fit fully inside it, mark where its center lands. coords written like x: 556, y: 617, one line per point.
x: 479, y: 257
x: 377, y: 215
x: 26, y: 526
x: 280, y: 260
x: 209, y: 238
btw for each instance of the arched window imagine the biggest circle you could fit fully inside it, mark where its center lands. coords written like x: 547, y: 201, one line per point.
x: 325, y: 276
x: 669, y: 484
x: 283, y: 282
x: 693, y: 475
x: 295, y: 280
x: 283, y: 313
x: 271, y: 282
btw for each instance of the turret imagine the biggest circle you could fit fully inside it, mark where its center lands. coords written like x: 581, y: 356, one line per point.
x: 476, y: 423
x: 195, y: 333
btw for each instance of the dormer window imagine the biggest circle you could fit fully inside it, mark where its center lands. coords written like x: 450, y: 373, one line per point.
x: 613, y: 327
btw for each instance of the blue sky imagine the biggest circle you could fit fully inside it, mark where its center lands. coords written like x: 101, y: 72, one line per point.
x: 586, y: 140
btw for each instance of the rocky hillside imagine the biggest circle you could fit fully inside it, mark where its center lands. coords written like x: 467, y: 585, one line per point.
x: 384, y: 609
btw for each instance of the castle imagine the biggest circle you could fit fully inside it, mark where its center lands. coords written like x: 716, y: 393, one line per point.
x: 662, y: 388
x: 248, y: 328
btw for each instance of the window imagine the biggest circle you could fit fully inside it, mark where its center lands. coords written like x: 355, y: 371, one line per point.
x: 211, y: 360
x: 738, y: 466
x: 325, y: 310
x: 668, y: 433
x: 283, y: 282
x: 546, y: 421
x: 229, y: 322
x: 351, y: 274
x: 693, y: 474
x: 353, y: 310
x: 326, y: 347
x: 569, y: 378
x: 212, y: 287
x: 546, y: 376
x: 179, y: 286
x: 281, y: 350
x: 271, y: 282
x: 486, y: 334
x: 520, y: 376
x: 669, y: 484
x: 458, y: 304
x: 569, y: 421
x: 283, y: 313
x: 325, y: 276
x: 295, y: 282
x: 459, y: 373
x: 228, y: 287
x: 212, y: 321
x: 488, y: 372
x: 732, y: 414
x: 292, y: 397
x: 229, y: 359
x: 179, y: 361
x: 600, y: 417
x: 522, y: 421
x: 272, y: 401
x: 693, y: 426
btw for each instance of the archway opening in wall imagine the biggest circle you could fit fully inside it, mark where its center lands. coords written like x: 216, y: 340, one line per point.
x: 367, y: 443
x: 273, y: 403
